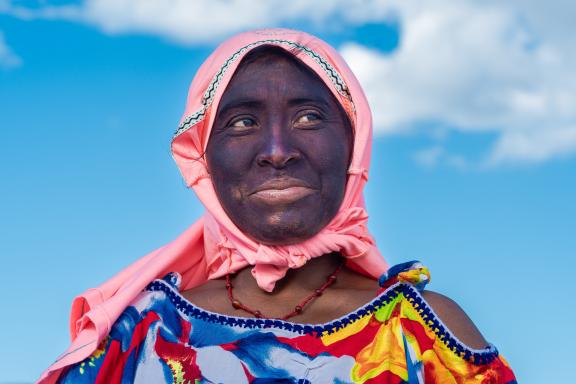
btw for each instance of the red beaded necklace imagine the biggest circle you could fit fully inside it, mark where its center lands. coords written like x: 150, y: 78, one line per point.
x: 297, y: 309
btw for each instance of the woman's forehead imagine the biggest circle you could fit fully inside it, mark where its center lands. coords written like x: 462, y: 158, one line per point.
x: 277, y: 74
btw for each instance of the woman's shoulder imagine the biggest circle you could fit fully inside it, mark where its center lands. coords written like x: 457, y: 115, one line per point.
x: 456, y: 320
x: 441, y: 338
x: 415, y: 275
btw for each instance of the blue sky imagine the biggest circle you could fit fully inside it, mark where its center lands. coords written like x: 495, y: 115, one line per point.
x: 474, y: 161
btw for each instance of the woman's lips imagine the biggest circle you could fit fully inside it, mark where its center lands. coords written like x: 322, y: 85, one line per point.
x: 284, y: 190
x: 282, y: 196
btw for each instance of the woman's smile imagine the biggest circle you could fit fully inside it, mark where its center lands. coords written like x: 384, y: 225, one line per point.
x: 282, y: 196
x: 282, y: 191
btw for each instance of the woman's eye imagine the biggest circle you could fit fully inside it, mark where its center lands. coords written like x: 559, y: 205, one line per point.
x: 308, y: 120
x: 242, y: 125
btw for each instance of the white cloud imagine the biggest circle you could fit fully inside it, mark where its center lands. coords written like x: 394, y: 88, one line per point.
x: 501, y: 67
x: 534, y: 145
x: 429, y: 157
x: 476, y: 67
x: 437, y: 155
x: 187, y: 22
x: 8, y: 59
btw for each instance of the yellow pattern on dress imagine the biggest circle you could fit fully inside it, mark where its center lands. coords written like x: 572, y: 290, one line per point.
x: 384, y: 353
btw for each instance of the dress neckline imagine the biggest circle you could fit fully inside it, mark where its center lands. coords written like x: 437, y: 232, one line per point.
x: 391, y: 285
x: 406, y: 279
x: 191, y: 309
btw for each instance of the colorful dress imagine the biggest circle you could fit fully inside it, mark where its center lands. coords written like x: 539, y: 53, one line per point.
x: 396, y: 338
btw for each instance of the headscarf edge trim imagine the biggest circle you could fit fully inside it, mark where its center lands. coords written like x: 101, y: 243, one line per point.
x: 192, y: 119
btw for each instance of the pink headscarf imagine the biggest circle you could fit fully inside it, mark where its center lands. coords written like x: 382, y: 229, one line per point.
x: 214, y: 246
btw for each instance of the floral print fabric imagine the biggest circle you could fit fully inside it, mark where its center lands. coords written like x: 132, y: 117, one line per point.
x: 396, y: 338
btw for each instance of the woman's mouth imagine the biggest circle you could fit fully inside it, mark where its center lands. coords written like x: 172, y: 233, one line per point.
x: 282, y: 191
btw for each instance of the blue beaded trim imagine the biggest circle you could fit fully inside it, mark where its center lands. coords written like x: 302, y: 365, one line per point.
x: 475, y: 356
x: 433, y: 322
x: 317, y: 330
x: 196, y: 117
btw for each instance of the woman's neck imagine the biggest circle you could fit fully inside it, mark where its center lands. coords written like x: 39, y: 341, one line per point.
x: 301, y: 282
x: 349, y: 291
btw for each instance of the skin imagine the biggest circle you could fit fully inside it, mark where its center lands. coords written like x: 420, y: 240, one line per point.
x: 278, y: 121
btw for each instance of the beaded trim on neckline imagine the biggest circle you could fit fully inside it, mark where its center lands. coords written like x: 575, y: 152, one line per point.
x: 433, y: 322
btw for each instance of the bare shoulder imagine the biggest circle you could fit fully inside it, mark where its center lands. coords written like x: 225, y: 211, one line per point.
x: 455, y: 319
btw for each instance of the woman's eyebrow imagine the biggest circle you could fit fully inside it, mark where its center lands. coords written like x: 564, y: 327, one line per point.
x: 251, y: 103
x: 239, y: 103
x: 307, y: 100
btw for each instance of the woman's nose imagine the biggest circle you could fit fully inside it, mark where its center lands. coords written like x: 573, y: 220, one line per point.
x: 278, y: 150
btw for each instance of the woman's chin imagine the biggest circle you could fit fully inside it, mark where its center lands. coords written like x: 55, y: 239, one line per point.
x: 283, y: 233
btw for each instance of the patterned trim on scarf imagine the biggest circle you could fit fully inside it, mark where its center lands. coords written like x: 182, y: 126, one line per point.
x: 196, y: 117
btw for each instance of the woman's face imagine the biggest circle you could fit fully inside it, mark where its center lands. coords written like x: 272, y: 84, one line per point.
x: 279, y: 151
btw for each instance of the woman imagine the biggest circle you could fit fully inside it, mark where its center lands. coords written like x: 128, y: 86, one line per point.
x: 280, y: 281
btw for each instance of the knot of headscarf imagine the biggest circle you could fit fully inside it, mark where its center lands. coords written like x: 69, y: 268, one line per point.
x: 227, y: 253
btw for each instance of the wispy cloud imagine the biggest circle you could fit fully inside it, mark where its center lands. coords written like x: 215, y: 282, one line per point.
x: 534, y: 145
x: 429, y: 157
x: 437, y: 155
x: 503, y: 67
x: 8, y: 59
